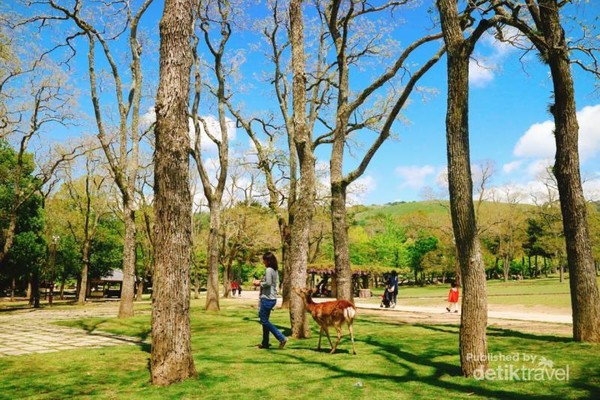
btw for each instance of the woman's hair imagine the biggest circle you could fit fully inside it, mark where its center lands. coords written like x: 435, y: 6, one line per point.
x: 270, y: 259
x: 453, y: 284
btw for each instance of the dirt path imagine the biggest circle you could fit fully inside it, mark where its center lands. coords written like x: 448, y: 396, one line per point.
x: 538, y: 320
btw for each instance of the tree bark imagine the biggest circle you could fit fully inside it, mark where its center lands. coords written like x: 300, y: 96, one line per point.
x: 585, y: 299
x: 127, y: 289
x: 171, y: 358
x: 472, y: 336
x: 84, y: 272
x: 212, y: 279
x: 341, y: 250
x: 304, y: 203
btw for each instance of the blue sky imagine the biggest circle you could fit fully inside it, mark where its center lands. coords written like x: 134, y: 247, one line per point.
x: 509, y: 123
x: 509, y: 128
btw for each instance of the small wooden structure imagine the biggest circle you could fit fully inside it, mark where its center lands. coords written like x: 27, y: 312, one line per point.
x: 109, y: 285
x: 326, y: 286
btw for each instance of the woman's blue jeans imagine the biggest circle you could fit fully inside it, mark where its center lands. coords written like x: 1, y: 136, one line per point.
x: 264, y: 312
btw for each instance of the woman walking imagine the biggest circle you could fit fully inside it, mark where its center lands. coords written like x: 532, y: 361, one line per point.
x: 268, y: 300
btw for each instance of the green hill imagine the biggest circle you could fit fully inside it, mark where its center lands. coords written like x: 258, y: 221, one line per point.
x: 433, y: 207
x: 440, y: 208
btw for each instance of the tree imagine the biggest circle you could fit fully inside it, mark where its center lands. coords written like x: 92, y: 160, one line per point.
x: 473, y: 340
x: 24, y: 258
x: 302, y: 204
x: 40, y: 102
x: 546, y: 33
x: 88, y: 197
x: 417, y: 250
x: 211, y: 15
x: 122, y: 149
x: 361, y: 111
x: 171, y: 358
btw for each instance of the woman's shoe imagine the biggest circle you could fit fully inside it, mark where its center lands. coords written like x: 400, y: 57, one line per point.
x: 260, y: 346
x: 448, y: 309
x: 282, y: 344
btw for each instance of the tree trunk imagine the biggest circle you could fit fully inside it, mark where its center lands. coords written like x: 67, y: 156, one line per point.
x: 171, y: 358
x: 139, y: 290
x: 585, y: 299
x: 341, y: 251
x: 9, y: 236
x: 127, y: 289
x: 286, y: 284
x: 304, y: 203
x: 34, y: 300
x: 472, y: 336
x: 84, y: 273
x: 212, y: 279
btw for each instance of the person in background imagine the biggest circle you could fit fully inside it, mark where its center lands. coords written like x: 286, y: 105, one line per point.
x: 453, y: 298
x: 268, y: 300
x: 393, y: 287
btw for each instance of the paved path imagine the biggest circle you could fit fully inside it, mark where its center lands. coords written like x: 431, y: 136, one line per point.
x: 31, y: 331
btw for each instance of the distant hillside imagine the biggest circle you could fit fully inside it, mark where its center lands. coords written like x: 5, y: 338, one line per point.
x: 362, y: 213
x: 432, y: 207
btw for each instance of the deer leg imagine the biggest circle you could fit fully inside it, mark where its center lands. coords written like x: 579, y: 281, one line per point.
x: 326, y: 330
x: 338, y: 329
x: 320, y: 334
x: 352, y: 337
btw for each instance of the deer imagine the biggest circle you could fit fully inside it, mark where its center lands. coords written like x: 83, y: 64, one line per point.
x: 329, y: 313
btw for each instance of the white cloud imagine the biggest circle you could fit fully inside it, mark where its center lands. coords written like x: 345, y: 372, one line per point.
x: 483, y: 67
x: 360, y: 189
x: 539, y: 167
x: 414, y: 176
x: 538, y: 141
x: 148, y: 118
x: 591, y: 189
x: 212, y: 123
x: 589, y: 132
x: 511, y: 167
x: 480, y: 74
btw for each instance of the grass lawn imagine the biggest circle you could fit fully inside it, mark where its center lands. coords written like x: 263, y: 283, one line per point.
x: 528, y: 293
x: 394, y: 361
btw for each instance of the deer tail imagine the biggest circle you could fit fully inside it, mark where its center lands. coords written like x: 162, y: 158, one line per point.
x: 349, y: 314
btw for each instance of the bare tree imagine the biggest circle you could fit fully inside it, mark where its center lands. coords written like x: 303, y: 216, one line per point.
x: 171, y: 359
x: 89, y: 197
x: 45, y: 103
x: 473, y: 340
x: 211, y: 14
x: 303, y: 204
x: 541, y: 23
x: 121, y: 148
x: 361, y: 111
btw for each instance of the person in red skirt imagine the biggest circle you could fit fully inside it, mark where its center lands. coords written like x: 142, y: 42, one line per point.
x: 453, y: 298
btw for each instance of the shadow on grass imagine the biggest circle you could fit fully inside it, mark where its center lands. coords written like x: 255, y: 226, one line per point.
x: 412, y: 363
x: 94, y: 328
x: 500, y: 332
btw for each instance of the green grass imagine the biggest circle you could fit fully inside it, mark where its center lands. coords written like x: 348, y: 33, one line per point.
x: 547, y: 292
x: 394, y: 361
x: 399, y: 209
